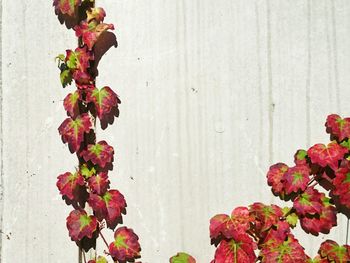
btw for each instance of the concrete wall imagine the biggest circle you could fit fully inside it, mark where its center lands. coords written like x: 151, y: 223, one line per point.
x: 213, y: 92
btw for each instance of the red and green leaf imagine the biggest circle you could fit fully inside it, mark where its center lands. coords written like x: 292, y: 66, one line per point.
x: 99, y: 154
x: 264, y: 217
x: 288, y: 251
x: 274, y: 178
x: 104, y: 101
x: 98, y: 14
x: 71, y: 104
x: 296, y: 179
x: 300, y: 157
x: 109, y: 206
x: 320, y: 223
x: 91, y: 31
x: 182, y: 258
x: 333, y: 252
x: 99, y: 183
x: 100, y: 259
x: 238, y: 249
x: 66, y: 6
x: 126, y: 246
x: 327, y: 155
x: 290, y: 217
x: 76, y: 66
x: 338, y: 127
x: 73, y: 130
x: 341, y: 184
x: 309, y: 202
x: 81, y: 225
x: 69, y: 185
x: 223, y: 225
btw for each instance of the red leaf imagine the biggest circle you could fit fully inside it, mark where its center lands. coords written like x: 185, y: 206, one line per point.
x: 341, y: 184
x: 126, y: 246
x: 182, y: 258
x: 288, y: 251
x: 323, y: 222
x: 104, y: 100
x: 91, y: 29
x: 225, y: 225
x: 98, y: 14
x: 296, y: 179
x: 300, y: 157
x: 108, y: 206
x: 278, y: 233
x: 81, y: 225
x: 274, y: 177
x: 327, y: 155
x: 333, y: 252
x: 99, y: 183
x: 99, y: 154
x: 77, y: 63
x: 68, y: 184
x: 66, y: 6
x: 338, y: 127
x: 309, y: 202
x: 265, y: 217
x: 71, y: 104
x: 239, y: 249
x: 72, y: 131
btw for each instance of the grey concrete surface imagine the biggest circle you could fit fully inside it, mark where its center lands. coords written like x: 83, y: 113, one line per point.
x: 213, y: 92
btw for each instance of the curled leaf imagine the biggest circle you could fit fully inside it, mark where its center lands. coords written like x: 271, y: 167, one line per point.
x: 126, y: 246
x: 98, y: 14
x: 81, y: 225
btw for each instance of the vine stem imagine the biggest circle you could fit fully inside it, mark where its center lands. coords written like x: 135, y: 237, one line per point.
x: 84, y: 257
x: 104, y: 240
x: 347, y: 232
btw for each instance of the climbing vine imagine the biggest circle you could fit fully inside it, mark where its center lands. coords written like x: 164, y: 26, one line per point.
x: 96, y: 207
x: 318, y: 184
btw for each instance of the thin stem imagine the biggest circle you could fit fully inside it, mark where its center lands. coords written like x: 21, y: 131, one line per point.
x: 347, y: 232
x: 84, y: 256
x: 104, y: 240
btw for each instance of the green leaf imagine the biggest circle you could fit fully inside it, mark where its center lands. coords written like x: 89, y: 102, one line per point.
x: 182, y: 258
x: 66, y: 77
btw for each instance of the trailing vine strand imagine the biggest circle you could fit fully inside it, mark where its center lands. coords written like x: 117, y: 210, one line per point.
x: 257, y: 233
x: 95, y: 206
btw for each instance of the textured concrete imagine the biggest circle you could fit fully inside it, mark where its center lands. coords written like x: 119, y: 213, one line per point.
x: 213, y: 92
